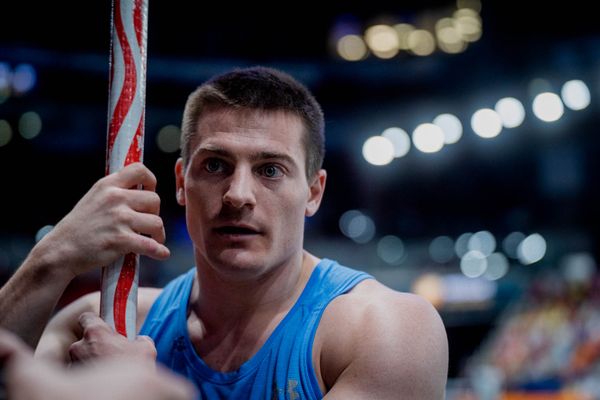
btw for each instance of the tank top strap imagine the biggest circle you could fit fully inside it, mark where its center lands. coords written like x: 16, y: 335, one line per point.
x: 328, y: 281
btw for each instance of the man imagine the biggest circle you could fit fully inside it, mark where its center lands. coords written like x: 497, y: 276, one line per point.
x: 258, y: 317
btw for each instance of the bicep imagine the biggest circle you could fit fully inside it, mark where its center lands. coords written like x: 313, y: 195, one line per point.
x: 400, y: 351
x: 63, y: 329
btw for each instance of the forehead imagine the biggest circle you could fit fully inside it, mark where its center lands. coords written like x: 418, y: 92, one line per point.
x: 248, y: 129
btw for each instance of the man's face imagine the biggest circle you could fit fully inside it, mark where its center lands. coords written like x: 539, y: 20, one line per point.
x: 246, y: 192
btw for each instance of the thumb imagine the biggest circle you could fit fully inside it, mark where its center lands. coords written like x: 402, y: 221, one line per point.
x: 145, y: 339
x: 147, y: 346
x: 88, y: 320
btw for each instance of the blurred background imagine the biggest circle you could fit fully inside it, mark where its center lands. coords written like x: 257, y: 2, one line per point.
x: 462, y: 152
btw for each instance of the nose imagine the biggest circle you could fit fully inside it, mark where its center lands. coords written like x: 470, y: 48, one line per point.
x: 240, y: 191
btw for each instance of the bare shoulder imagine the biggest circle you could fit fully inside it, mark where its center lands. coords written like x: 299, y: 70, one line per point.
x: 64, y: 329
x: 377, y: 342
x: 91, y: 302
x: 146, y: 297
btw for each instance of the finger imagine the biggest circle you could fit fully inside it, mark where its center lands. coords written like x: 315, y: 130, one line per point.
x: 144, y: 339
x: 149, y: 224
x: 74, y: 351
x: 80, y: 352
x: 143, y: 201
x: 147, y: 246
x: 147, y: 345
x: 133, y: 175
x: 91, y: 322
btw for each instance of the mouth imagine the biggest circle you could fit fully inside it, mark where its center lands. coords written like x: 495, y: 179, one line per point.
x: 239, y: 231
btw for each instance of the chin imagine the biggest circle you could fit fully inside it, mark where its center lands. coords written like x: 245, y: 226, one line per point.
x: 239, y: 265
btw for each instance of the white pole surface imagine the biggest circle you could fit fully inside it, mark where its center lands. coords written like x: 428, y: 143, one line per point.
x: 125, y: 145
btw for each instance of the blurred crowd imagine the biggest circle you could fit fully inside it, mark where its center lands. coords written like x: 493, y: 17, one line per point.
x: 546, y: 346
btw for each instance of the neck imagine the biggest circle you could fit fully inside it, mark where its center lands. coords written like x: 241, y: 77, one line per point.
x: 216, y: 299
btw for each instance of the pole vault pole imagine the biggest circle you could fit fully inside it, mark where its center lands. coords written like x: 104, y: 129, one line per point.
x: 125, y: 145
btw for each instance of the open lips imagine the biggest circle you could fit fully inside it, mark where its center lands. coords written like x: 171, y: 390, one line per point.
x: 237, y: 230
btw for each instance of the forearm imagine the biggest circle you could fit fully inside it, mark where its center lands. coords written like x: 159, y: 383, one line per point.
x: 28, y: 299
x: 110, y: 221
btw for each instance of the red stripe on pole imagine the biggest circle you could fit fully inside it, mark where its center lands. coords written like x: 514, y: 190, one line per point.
x: 138, y: 21
x: 129, y: 81
x: 122, y: 292
x: 134, y: 154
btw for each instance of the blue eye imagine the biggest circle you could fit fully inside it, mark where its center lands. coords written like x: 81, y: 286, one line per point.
x: 271, y: 171
x: 214, y: 165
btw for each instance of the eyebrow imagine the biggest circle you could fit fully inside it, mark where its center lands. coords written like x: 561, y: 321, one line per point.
x: 262, y: 155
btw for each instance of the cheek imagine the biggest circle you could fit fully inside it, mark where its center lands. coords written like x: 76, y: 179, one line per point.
x: 199, y: 194
x: 292, y: 214
x: 291, y: 227
x: 200, y: 203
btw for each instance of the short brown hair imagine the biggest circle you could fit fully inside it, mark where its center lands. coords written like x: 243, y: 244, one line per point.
x: 258, y: 88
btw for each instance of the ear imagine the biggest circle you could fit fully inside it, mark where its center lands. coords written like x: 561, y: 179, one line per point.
x: 180, y: 182
x: 317, y: 188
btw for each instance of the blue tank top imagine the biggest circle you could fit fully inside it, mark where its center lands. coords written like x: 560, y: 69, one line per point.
x: 281, y: 369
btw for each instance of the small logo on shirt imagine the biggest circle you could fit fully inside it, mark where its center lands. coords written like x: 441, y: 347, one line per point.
x: 291, y: 390
x: 179, y: 344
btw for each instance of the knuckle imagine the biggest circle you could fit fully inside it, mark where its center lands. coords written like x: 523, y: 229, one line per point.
x: 155, y: 200
x: 139, y: 169
x: 119, y: 239
x: 152, y: 353
x: 74, y: 350
x: 113, y: 195
x: 149, y: 340
x: 121, y: 215
x: 82, y: 317
x: 107, y: 243
x: 136, y: 167
x: 89, y: 333
x: 147, y: 245
x: 152, y: 177
x: 117, y: 244
x: 146, y: 346
x: 114, y: 241
x: 157, y: 223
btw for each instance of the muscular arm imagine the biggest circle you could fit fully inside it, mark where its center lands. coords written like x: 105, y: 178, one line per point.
x: 109, y: 221
x: 383, y: 344
x: 66, y: 327
x: 29, y: 297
